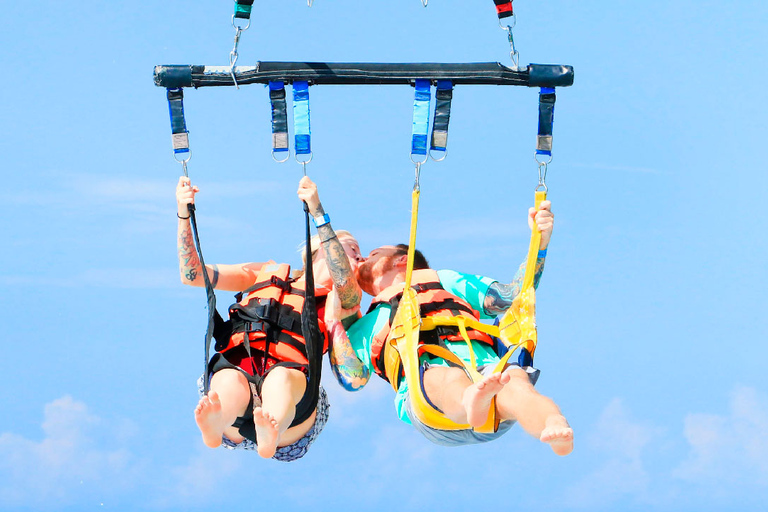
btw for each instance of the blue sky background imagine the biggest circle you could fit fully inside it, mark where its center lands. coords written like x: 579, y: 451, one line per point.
x: 651, y: 310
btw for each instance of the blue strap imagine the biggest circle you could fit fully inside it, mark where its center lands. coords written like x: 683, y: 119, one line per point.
x: 179, y: 131
x: 243, y: 9
x: 279, y: 116
x: 301, y: 117
x: 421, y: 117
x: 546, y: 120
x: 443, y: 97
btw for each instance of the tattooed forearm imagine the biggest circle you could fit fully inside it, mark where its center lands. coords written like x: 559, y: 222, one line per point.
x: 189, y: 263
x: 500, y: 296
x: 339, y: 268
x: 349, y: 371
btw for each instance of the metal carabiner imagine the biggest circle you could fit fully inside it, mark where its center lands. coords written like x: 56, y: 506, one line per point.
x: 416, y: 186
x: 424, y: 2
x: 310, y: 2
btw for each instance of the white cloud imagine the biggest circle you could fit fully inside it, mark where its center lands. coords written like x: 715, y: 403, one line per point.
x: 731, y: 448
x: 623, y: 443
x: 66, y: 466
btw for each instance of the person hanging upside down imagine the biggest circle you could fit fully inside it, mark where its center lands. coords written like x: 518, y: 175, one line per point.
x: 259, y: 397
x: 448, y: 388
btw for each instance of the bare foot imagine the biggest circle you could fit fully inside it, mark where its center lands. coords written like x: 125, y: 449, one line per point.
x: 208, y: 419
x: 267, y: 433
x: 477, y: 397
x: 558, y: 434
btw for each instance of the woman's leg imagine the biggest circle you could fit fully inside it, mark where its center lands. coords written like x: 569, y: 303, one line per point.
x: 281, y: 392
x: 227, y: 400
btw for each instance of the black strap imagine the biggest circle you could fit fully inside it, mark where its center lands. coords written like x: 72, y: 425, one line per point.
x: 211, y: 299
x: 310, y: 329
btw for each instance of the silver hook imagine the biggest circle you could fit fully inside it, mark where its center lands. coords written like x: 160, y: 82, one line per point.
x: 309, y: 4
x: 416, y: 186
x: 424, y: 2
x: 543, y: 174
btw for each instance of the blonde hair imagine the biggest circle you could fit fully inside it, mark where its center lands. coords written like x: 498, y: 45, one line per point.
x: 314, y: 244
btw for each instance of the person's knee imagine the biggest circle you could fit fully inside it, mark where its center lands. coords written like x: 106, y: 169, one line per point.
x: 231, y: 384
x: 518, y: 381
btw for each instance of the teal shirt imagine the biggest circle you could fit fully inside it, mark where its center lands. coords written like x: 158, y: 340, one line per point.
x: 471, y: 288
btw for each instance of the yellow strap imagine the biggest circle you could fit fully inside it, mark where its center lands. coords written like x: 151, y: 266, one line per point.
x: 412, y: 239
x: 533, y: 247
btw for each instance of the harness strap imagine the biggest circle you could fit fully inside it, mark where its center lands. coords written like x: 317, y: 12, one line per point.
x: 504, y: 8
x: 443, y: 97
x: 301, y: 118
x: 243, y: 9
x: 546, y: 120
x: 179, y: 132
x: 279, y: 117
x: 420, y: 129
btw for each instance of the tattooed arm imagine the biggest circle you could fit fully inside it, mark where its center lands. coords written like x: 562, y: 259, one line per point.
x: 349, y: 370
x: 223, y: 277
x: 500, y: 296
x: 336, y: 258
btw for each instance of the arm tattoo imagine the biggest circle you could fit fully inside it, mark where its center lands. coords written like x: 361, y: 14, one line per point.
x: 189, y: 263
x: 339, y: 268
x: 349, y: 371
x: 500, y: 296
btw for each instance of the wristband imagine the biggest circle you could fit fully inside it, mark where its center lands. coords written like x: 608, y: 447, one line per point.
x: 542, y: 253
x: 325, y: 219
x: 179, y: 216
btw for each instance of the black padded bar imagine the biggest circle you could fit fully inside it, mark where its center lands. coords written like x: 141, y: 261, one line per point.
x: 318, y: 73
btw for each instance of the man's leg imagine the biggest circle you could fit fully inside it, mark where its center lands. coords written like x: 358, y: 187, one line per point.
x: 227, y: 399
x: 281, y: 392
x: 461, y: 401
x: 537, y: 414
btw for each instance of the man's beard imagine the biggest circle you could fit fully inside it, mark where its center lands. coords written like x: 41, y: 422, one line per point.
x: 364, y: 273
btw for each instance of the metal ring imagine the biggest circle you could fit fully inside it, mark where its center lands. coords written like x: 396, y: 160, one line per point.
x: 509, y: 27
x: 287, y: 156
x: 184, y: 161
x: 239, y: 27
x: 443, y: 151
x: 310, y: 2
x: 536, y: 158
x: 426, y: 157
x: 304, y: 162
x: 541, y: 185
x: 424, y: 2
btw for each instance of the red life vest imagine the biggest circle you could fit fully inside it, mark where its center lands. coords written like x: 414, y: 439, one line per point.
x: 433, y: 300
x: 269, y: 313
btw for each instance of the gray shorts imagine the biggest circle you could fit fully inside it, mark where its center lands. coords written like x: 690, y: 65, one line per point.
x: 293, y: 451
x: 466, y: 436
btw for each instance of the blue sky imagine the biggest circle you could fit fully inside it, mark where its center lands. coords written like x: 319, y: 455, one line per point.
x: 651, y: 309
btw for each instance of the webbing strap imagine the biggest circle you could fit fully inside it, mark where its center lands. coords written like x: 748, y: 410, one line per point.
x: 243, y: 9
x: 279, y: 117
x: 504, y: 8
x: 546, y: 120
x: 301, y: 118
x: 211, y: 296
x: 421, y: 100
x: 310, y: 329
x: 517, y: 328
x: 443, y: 97
x: 180, y: 135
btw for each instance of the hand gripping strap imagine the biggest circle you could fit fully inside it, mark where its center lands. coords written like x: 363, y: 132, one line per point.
x: 180, y: 135
x: 443, y: 97
x: 243, y: 9
x: 546, y: 120
x: 301, y: 117
x: 421, y: 118
x: 279, y: 117
x: 504, y: 8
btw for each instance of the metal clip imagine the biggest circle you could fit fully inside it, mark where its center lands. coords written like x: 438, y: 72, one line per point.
x: 416, y: 186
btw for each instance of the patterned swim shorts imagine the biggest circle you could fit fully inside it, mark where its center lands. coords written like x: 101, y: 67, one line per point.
x: 293, y: 451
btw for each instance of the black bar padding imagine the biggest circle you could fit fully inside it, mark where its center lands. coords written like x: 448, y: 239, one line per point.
x: 176, y: 76
x: 317, y: 73
x: 550, y: 75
